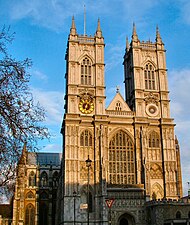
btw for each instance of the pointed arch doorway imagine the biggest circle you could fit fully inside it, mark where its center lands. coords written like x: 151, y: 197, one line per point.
x: 126, y: 219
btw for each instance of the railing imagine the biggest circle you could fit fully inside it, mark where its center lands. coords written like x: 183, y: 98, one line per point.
x: 119, y: 113
x: 85, y: 39
x: 147, y: 45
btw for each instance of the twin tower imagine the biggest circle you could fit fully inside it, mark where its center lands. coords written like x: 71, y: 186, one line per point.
x: 125, y: 154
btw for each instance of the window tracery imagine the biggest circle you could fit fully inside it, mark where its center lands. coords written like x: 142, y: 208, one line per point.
x: 118, y: 106
x: 86, y: 138
x: 121, y: 159
x: 86, y: 72
x: 44, y: 179
x: 55, y: 179
x: 154, y: 140
x: 149, y: 76
x: 30, y: 215
x: 30, y: 195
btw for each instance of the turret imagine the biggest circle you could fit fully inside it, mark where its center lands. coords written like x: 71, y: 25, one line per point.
x: 73, y: 30
x: 98, y: 30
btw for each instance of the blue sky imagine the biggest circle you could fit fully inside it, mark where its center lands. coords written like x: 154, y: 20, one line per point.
x: 42, y: 28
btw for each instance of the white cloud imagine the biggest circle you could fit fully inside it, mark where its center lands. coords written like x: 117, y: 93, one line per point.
x: 39, y: 75
x: 179, y: 83
x: 53, y: 14
x: 52, y: 101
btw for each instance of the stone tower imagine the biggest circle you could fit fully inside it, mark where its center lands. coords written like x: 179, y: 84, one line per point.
x: 84, y: 114
x: 146, y: 87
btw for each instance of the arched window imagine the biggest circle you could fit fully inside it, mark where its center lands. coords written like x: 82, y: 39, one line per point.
x: 86, y: 72
x: 30, y: 195
x: 118, y: 106
x: 84, y: 198
x: 121, y: 159
x: 44, y: 179
x: 149, y: 76
x: 178, y: 215
x: 32, y: 179
x: 55, y: 179
x: 30, y: 215
x: 154, y: 140
x: 86, y: 138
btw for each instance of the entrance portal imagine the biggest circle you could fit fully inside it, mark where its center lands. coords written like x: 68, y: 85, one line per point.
x: 126, y: 219
x: 123, y: 221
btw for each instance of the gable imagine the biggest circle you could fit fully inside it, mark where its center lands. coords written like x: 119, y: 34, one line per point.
x: 118, y: 104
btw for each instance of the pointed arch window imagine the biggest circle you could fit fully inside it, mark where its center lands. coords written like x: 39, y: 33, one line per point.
x: 32, y: 179
x: 178, y: 215
x: 154, y: 140
x: 121, y: 159
x: 30, y: 195
x: 86, y: 72
x: 44, y: 179
x: 30, y: 215
x: 150, y: 77
x: 86, y: 138
x: 55, y: 179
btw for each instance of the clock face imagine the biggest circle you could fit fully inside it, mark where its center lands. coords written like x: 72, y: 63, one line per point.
x: 86, y: 106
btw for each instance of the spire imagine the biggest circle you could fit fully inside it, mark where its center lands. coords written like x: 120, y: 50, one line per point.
x: 24, y: 155
x: 98, y: 30
x: 73, y: 27
x: 127, y: 44
x: 158, y: 37
x: 84, y: 20
x: 134, y: 35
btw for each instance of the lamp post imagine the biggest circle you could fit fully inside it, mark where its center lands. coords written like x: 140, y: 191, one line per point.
x: 88, y: 165
x: 74, y: 198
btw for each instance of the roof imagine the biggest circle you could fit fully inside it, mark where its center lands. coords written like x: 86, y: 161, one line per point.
x: 40, y: 158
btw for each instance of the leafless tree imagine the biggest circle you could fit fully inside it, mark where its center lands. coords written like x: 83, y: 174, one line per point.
x: 20, y: 117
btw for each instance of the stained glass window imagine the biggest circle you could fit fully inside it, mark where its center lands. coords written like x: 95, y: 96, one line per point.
x: 121, y: 159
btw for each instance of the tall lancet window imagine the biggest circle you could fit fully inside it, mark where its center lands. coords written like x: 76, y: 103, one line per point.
x: 121, y: 159
x: 150, y: 77
x: 86, y: 70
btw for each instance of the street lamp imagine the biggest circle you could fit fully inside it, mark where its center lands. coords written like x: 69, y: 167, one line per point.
x: 74, y: 198
x: 88, y: 165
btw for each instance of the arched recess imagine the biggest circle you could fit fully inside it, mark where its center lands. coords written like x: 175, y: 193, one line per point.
x: 154, y: 151
x: 126, y: 219
x: 86, y: 142
x: 85, y: 195
x: 44, y: 179
x: 32, y: 179
x: 30, y: 195
x: 121, y: 159
x: 157, y: 191
x: 30, y: 215
x: 55, y: 179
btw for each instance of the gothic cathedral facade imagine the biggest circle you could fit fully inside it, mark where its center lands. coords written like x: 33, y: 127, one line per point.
x: 130, y: 145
